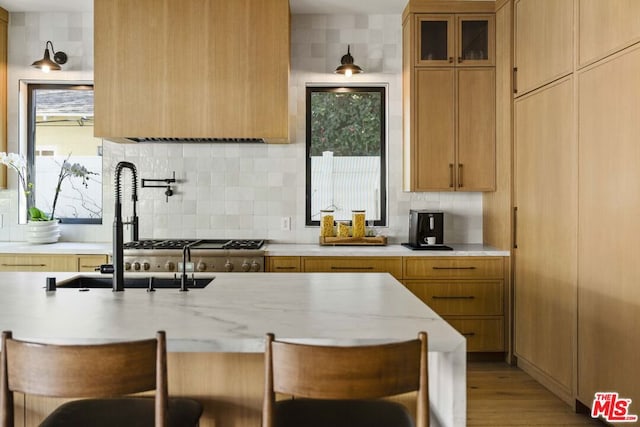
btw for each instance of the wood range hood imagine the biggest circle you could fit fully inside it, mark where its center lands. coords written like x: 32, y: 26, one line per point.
x: 192, y: 72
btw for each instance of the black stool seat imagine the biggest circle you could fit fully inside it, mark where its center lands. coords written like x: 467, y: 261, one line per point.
x: 122, y: 412
x: 341, y: 413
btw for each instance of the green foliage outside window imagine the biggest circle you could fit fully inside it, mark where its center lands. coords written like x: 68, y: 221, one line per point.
x: 346, y: 123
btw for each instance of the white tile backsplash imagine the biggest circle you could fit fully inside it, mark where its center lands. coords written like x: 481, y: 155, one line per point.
x: 239, y: 190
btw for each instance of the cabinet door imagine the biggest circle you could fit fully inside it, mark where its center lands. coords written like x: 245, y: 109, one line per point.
x: 546, y: 232
x: 475, y: 40
x: 609, y: 226
x: 543, y: 42
x: 606, y: 26
x: 476, y: 142
x: 433, y: 157
x: 435, y: 42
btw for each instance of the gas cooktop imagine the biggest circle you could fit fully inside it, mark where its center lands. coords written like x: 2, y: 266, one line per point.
x: 194, y: 244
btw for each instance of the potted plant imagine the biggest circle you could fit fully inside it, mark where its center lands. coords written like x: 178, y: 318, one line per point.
x: 43, y: 227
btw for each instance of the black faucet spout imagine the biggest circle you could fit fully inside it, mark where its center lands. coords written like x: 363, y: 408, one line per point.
x: 118, y: 239
x: 186, y: 258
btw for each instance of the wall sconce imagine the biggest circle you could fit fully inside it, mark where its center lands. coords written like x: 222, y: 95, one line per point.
x: 46, y: 64
x: 347, y: 67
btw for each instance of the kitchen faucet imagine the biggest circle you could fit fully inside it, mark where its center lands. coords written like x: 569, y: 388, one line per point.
x: 118, y: 244
x: 186, y: 258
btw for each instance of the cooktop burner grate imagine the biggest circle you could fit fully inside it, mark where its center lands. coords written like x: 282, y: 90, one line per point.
x: 194, y: 243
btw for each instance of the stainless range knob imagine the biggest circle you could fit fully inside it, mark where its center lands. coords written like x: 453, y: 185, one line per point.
x: 171, y: 266
x: 245, y: 266
x: 201, y: 266
x: 255, y: 266
x: 127, y: 266
x: 146, y: 266
x: 136, y: 266
x: 228, y: 266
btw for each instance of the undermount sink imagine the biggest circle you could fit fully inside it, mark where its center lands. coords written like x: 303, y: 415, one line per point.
x: 136, y: 282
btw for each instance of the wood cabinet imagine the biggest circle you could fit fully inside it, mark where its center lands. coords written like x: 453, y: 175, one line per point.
x: 459, y: 40
x: 609, y: 206
x: 283, y: 264
x: 545, y: 276
x: 368, y: 264
x: 468, y: 292
x: 170, y: 68
x: 87, y: 263
x: 448, y: 106
x: 48, y: 262
x: 543, y: 42
x: 605, y: 27
x: 4, y: 23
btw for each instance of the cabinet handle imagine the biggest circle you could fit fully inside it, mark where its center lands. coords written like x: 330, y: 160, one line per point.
x: 451, y: 60
x: 468, y: 334
x: 333, y: 267
x: 453, y: 297
x: 459, y: 175
x: 459, y: 59
x: 515, y: 79
x: 515, y: 227
x: 454, y: 268
x: 450, y: 175
x: 24, y: 265
x: 286, y: 268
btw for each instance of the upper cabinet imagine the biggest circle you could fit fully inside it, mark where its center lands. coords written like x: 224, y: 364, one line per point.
x: 460, y: 40
x: 605, y: 27
x: 196, y: 69
x: 448, y: 98
x: 544, y: 42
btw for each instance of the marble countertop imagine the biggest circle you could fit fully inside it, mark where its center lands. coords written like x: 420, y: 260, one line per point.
x: 275, y: 249
x: 271, y: 249
x: 231, y: 314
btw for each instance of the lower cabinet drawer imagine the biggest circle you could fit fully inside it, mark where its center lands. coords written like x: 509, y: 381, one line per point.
x: 459, y: 298
x: 391, y: 265
x: 91, y: 262
x: 284, y: 264
x: 481, y: 334
x: 453, y: 268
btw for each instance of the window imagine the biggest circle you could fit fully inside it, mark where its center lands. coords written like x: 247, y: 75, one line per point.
x: 346, y: 161
x: 59, y: 129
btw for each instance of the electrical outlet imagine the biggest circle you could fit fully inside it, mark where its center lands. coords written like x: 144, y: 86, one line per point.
x: 285, y: 223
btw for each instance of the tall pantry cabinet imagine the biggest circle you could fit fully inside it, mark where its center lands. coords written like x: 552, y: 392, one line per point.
x: 545, y: 188
x: 576, y: 195
x: 449, y: 96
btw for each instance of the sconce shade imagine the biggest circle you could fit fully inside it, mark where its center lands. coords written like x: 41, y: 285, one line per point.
x: 46, y: 64
x: 347, y: 67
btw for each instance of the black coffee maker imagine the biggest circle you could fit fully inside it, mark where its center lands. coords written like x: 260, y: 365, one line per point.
x: 423, y: 225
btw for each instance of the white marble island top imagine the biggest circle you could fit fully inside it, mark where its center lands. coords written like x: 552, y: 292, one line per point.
x: 233, y: 313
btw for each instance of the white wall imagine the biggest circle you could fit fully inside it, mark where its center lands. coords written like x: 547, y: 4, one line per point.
x: 234, y: 190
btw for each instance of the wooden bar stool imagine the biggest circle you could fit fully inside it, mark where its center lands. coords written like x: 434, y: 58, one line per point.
x: 100, y: 371
x: 342, y: 386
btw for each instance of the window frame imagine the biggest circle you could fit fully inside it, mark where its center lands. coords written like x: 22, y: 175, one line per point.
x: 382, y: 89
x: 31, y: 132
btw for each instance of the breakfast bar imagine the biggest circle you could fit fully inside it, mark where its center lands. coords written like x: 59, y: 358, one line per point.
x: 215, y: 334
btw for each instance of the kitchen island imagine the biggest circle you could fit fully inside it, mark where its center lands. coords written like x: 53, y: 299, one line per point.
x: 215, y: 335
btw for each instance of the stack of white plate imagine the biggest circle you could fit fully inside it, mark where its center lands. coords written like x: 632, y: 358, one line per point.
x: 43, y: 231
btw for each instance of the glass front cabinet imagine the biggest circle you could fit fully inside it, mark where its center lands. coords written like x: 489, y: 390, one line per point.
x: 455, y: 40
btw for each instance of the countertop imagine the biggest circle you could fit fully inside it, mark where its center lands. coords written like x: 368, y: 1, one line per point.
x: 231, y: 314
x: 271, y: 249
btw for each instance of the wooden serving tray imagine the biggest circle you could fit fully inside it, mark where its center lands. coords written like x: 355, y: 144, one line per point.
x: 354, y: 241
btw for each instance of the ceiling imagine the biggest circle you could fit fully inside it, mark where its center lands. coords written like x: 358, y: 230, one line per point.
x: 367, y: 7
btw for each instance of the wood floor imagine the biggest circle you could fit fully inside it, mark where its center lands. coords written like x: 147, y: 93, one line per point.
x: 502, y: 395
